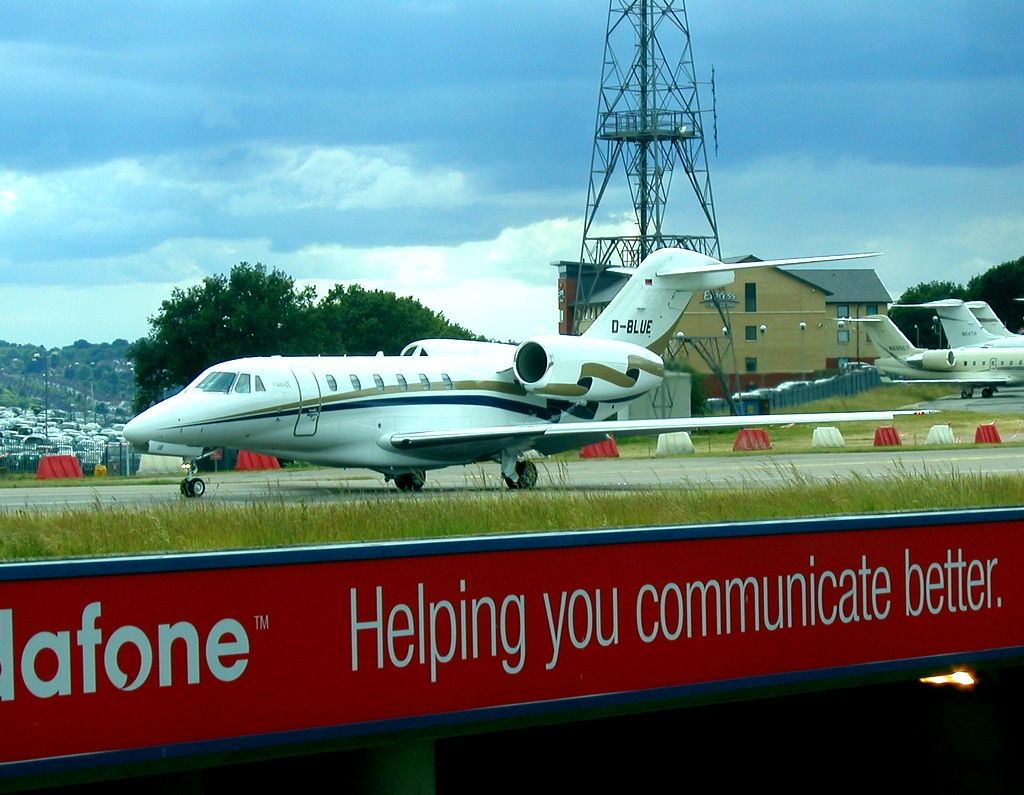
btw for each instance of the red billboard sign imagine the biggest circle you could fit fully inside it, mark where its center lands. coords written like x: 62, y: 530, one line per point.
x: 147, y: 656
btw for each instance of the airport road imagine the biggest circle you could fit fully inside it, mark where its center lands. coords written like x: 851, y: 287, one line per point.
x: 327, y: 485
x: 1008, y: 400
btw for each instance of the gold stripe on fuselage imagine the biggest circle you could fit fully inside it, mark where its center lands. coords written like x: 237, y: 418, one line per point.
x: 340, y: 398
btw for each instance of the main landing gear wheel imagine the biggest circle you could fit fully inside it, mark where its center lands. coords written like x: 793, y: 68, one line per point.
x: 193, y: 487
x: 411, y: 481
x: 526, y: 476
x: 987, y: 392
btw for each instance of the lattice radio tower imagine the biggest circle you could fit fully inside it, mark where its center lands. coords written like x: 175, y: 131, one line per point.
x: 649, y: 122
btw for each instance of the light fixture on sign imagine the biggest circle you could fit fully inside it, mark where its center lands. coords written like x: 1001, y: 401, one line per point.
x: 960, y: 678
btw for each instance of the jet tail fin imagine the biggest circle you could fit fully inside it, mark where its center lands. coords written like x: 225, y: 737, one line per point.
x: 647, y: 309
x: 887, y: 336
x: 959, y: 323
x: 989, y: 320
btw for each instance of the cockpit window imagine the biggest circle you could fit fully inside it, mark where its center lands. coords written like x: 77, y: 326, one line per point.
x: 259, y: 384
x: 243, y: 384
x: 414, y: 349
x: 217, y: 382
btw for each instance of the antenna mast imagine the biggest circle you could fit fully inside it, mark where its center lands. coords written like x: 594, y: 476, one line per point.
x: 649, y: 121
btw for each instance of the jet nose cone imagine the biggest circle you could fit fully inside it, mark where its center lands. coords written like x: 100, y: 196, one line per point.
x: 135, y: 431
x: 150, y: 425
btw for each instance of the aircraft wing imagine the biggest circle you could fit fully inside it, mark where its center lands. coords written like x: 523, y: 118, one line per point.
x: 910, y: 381
x: 554, y: 437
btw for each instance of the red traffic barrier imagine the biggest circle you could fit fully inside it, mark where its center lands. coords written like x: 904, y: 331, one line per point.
x: 887, y: 436
x: 987, y: 434
x: 605, y: 449
x: 252, y: 461
x: 58, y: 466
x: 752, y: 439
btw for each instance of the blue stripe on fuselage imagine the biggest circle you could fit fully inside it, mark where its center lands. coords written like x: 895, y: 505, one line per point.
x: 505, y: 404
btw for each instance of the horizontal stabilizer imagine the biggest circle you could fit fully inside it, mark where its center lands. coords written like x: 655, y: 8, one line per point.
x: 943, y: 302
x: 713, y: 265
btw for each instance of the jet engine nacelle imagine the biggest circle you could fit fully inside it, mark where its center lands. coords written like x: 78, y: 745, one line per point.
x: 939, y: 360
x: 579, y: 368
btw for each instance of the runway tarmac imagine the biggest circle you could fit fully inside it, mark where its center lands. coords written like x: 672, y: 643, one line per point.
x: 573, y: 475
x: 1009, y: 400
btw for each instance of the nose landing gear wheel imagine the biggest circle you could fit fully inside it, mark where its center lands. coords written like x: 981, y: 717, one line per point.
x: 411, y: 481
x: 526, y: 476
x: 193, y: 487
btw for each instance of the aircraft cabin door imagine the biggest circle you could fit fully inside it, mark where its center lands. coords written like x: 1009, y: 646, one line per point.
x: 309, y: 402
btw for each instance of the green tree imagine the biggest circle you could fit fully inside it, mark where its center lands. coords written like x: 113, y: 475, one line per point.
x: 256, y: 312
x: 358, y: 321
x: 698, y: 395
x: 921, y: 326
x: 933, y: 291
x: 250, y: 312
x: 1001, y: 287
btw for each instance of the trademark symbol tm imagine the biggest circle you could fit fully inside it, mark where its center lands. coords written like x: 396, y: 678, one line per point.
x: 262, y: 622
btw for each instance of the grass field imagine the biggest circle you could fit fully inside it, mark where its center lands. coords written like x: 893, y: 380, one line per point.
x: 198, y: 525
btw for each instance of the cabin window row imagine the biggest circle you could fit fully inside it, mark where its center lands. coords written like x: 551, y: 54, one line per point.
x: 244, y: 383
x: 378, y: 380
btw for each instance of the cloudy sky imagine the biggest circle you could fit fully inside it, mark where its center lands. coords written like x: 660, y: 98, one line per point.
x: 441, y: 148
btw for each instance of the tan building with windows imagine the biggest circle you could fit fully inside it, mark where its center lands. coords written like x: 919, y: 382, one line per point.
x: 784, y: 322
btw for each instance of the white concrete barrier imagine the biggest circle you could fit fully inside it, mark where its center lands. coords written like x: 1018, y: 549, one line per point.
x: 940, y: 434
x: 827, y: 437
x: 674, y: 443
x: 159, y: 465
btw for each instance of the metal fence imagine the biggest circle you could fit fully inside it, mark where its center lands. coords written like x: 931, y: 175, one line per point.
x: 772, y: 401
x: 117, y: 458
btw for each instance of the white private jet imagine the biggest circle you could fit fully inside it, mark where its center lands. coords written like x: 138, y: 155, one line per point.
x: 451, y: 402
x: 971, y: 366
x: 963, y: 324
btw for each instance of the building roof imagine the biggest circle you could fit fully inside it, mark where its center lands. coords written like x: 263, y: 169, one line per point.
x: 844, y: 285
x: 606, y: 289
x: 600, y: 283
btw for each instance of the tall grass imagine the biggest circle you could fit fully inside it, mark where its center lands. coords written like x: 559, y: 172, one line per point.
x: 196, y: 526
